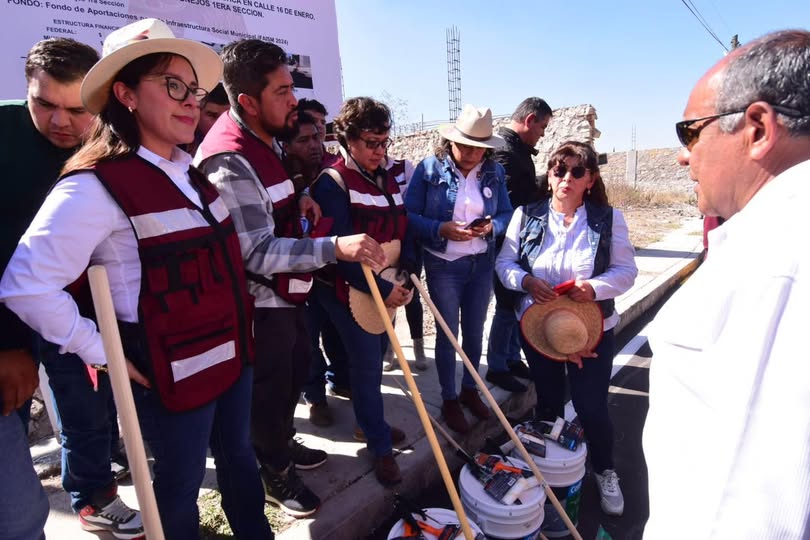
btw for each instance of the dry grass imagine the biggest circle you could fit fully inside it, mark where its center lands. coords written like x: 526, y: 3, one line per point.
x: 624, y: 195
x: 214, y: 525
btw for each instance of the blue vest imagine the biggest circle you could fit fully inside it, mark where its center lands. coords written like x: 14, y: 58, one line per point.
x: 600, y: 234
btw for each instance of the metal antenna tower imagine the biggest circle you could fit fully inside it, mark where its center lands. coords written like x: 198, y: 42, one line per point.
x: 454, y: 72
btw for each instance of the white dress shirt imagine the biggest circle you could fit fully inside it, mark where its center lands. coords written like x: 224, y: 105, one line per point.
x: 727, y: 436
x: 469, y: 206
x: 79, y: 225
x: 566, y: 254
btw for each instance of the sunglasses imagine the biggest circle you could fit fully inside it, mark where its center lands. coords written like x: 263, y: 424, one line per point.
x: 688, y: 135
x: 561, y: 170
x: 179, y: 91
x: 373, y: 145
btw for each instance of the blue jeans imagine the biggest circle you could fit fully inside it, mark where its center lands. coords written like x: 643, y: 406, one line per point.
x: 504, y: 340
x: 365, y: 369
x: 88, y: 423
x: 23, y: 503
x: 337, y: 373
x: 179, y: 441
x: 589, y: 392
x: 463, y: 285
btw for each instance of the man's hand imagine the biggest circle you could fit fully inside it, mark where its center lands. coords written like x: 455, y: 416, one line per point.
x: 453, y: 231
x: 308, y: 208
x: 18, y: 378
x: 399, y: 297
x: 360, y: 248
x: 582, y: 291
x: 137, y: 376
x: 540, y: 290
x: 576, y: 358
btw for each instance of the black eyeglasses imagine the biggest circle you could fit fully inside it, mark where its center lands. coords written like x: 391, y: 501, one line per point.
x: 373, y: 145
x: 561, y: 170
x: 688, y: 136
x: 179, y: 91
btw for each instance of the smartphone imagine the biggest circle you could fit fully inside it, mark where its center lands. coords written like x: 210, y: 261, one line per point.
x: 478, y: 222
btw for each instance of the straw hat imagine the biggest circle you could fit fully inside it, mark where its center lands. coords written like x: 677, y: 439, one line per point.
x: 364, y: 310
x: 473, y: 127
x: 562, y: 327
x: 138, y: 39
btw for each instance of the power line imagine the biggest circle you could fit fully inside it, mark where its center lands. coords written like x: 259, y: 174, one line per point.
x: 694, y: 11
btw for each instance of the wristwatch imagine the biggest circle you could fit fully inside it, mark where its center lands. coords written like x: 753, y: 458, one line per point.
x: 100, y: 367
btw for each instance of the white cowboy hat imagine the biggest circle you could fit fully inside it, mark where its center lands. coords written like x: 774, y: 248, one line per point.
x: 562, y: 326
x: 138, y: 39
x: 473, y: 127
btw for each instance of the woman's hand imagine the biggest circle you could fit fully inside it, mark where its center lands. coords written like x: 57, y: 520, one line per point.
x: 453, y: 231
x: 576, y: 358
x: 540, y: 290
x: 483, y: 230
x: 582, y: 291
x: 137, y: 376
x: 399, y: 297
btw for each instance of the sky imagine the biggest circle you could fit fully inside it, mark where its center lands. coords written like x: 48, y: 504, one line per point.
x: 634, y: 61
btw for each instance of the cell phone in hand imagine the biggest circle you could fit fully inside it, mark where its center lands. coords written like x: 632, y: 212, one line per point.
x: 478, y: 222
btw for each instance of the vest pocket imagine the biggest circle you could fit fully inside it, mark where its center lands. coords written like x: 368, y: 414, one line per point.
x: 194, y: 350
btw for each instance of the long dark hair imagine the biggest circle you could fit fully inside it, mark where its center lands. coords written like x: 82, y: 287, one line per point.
x: 114, y: 132
x: 589, y: 159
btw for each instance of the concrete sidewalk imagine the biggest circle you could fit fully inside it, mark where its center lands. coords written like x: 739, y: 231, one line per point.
x: 353, y: 502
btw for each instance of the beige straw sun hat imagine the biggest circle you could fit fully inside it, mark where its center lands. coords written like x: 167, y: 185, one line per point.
x: 562, y: 326
x: 138, y: 39
x: 361, y: 304
x: 473, y: 127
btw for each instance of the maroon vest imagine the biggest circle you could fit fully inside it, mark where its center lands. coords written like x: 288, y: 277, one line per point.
x: 193, y: 306
x: 227, y: 136
x: 397, y: 170
x: 380, y: 213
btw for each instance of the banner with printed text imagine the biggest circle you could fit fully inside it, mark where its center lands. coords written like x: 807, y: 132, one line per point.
x: 305, y: 29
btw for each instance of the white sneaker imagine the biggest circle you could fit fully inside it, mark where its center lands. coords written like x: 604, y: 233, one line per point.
x: 610, y: 494
x: 389, y: 361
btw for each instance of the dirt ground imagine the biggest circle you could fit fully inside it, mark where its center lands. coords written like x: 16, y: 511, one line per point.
x: 650, y: 224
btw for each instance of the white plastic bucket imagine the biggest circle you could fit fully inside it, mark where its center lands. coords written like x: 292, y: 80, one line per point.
x: 442, y: 515
x: 500, y: 521
x: 563, y: 471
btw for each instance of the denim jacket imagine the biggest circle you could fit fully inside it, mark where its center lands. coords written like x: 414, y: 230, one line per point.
x: 431, y: 199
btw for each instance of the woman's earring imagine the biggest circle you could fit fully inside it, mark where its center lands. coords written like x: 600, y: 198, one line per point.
x: 131, y: 110
x: 549, y: 187
x: 589, y: 191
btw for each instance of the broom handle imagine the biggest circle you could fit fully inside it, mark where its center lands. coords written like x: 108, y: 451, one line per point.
x: 496, y: 408
x: 424, y: 417
x: 122, y: 392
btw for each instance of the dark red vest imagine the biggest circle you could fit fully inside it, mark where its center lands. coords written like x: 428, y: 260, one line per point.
x: 227, y: 136
x: 397, y: 170
x: 380, y: 213
x: 194, y: 308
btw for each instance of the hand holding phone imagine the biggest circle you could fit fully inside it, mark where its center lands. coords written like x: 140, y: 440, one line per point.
x: 478, y: 222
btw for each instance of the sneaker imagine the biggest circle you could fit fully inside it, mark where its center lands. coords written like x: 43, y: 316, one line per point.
x: 389, y: 361
x: 305, y: 458
x: 520, y: 370
x: 320, y: 414
x: 505, y: 380
x: 287, y: 491
x: 397, y: 435
x: 119, y: 466
x: 114, y: 517
x: 610, y: 493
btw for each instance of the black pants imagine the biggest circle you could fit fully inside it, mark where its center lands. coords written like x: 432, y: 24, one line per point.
x: 589, y: 391
x: 282, y: 366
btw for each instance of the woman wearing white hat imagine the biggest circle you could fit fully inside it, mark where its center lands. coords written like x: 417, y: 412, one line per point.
x: 573, y: 242
x: 130, y: 201
x: 457, y: 205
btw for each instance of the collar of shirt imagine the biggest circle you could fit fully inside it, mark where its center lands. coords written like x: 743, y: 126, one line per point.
x: 176, y: 170
x: 352, y: 164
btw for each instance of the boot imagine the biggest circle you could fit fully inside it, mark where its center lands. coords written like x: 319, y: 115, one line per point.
x: 389, y: 362
x: 469, y: 397
x: 386, y: 470
x: 420, y: 362
x: 454, y: 416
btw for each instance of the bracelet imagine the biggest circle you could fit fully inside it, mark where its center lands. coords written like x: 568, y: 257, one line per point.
x: 100, y: 367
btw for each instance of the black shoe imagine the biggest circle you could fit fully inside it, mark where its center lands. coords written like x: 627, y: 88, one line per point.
x: 287, y: 491
x: 520, y: 370
x: 339, y: 391
x: 305, y: 458
x: 505, y: 380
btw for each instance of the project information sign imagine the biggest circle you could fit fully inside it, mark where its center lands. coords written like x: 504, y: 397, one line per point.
x: 305, y: 29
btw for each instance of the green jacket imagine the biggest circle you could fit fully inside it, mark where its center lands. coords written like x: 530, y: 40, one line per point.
x: 29, y: 166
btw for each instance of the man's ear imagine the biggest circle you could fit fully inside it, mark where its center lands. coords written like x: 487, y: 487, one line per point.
x: 249, y: 104
x: 125, y: 95
x: 530, y: 119
x: 761, y: 129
